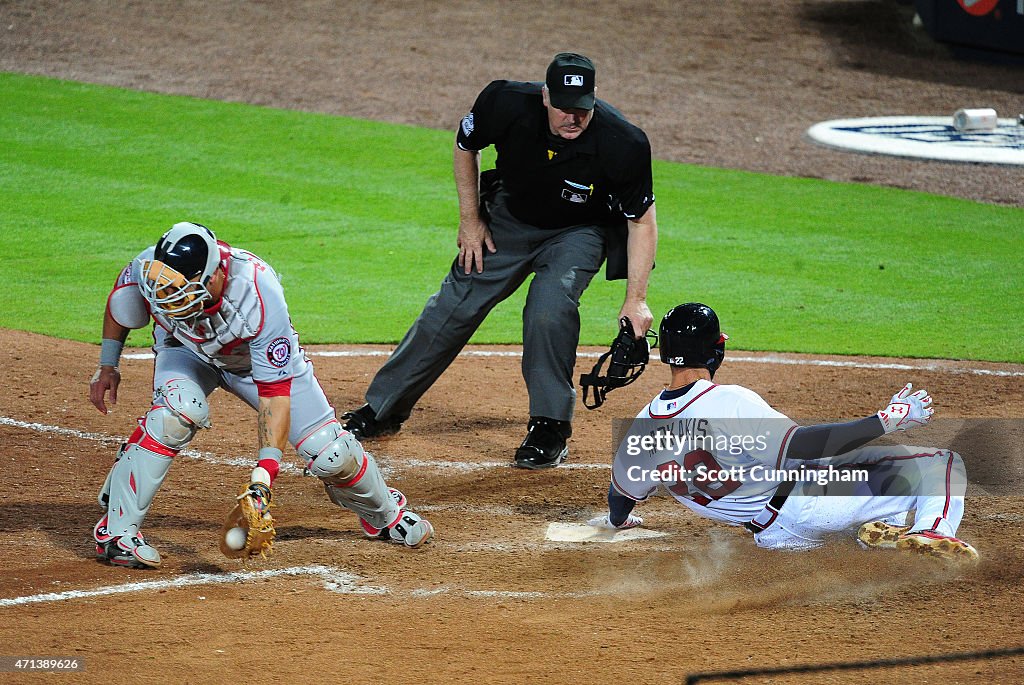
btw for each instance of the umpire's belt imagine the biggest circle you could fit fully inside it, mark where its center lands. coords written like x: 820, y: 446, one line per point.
x: 771, y: 510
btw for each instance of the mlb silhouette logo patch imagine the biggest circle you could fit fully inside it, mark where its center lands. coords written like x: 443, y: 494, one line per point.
x: 577, y: 192
x: 573, y: 80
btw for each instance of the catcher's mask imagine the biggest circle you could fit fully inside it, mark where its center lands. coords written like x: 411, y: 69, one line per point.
x: 629, y: 357
x: 174, y: 282
x: 691, y: 336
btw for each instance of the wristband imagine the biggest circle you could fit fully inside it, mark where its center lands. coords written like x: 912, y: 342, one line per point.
x: 269, y: 453
x: 110, y: 352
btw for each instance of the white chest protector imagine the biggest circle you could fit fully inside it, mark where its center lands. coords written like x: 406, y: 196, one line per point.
x: 248, y: 331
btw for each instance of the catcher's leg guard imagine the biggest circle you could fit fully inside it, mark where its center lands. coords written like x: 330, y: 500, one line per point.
x: 366, y: 494
x: 179, y: 410
x: 353, y: 481
x: 331, y: 452
x: 382, y: 533
x: 412, y: 530
x: 132, y: 483
x: 140, y: 469
x: 350, y: 475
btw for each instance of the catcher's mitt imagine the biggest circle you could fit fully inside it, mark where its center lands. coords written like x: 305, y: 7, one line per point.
x: 629, y: 357
x: 252, y: 515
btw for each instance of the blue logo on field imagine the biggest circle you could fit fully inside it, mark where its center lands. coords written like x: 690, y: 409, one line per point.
x: 1006, y: 137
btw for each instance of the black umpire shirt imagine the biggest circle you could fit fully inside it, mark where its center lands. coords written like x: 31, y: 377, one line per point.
x: 602, y: 176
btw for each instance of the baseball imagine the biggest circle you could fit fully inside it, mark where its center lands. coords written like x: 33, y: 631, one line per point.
x: 235, y: 538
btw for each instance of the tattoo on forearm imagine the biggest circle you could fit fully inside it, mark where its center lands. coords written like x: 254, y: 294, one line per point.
x: 263, y: 425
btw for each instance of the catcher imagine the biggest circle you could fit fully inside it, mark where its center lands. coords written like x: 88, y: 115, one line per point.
x: 221, y: 321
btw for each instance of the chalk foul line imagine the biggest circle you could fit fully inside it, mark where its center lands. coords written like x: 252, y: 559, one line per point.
x: 340, y: 581
x: 247, y: 462
x: 333, y: 579
x: 100, y: 437
x: 784, y: 361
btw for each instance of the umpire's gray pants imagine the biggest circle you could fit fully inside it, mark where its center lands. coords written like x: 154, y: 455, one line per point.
x: 563, y: 261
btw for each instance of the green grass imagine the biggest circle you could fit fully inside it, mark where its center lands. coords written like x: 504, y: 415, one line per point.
x: 360, y: 219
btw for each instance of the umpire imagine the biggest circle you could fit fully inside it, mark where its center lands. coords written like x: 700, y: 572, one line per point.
x: 572, y: 185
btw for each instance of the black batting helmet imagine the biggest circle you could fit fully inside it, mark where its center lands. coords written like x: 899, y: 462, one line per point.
x: 690, y: 335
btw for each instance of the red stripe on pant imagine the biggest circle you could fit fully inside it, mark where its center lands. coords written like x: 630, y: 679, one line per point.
x: 945, y: 509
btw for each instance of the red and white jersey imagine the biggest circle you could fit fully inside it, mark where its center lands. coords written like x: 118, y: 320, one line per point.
x: 715, y: 448
x: 247, y: 332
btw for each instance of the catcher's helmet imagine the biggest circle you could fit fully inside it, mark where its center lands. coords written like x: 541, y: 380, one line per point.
x: 690, y: 335
x: 184, y: 260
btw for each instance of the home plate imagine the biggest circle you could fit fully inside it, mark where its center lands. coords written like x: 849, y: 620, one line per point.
x: 581, y: 532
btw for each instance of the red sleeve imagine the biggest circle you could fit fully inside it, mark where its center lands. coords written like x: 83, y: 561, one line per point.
x: 275, y: 389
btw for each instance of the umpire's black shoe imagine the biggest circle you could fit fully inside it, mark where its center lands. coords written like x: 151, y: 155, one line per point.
x: 363, y: 423
x: 544, y: 445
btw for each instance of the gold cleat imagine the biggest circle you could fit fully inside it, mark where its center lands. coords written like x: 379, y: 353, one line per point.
x: 932, y: 544
x: 880, y: 535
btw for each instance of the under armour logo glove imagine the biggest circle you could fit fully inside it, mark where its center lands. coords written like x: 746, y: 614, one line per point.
x: 906, y: 410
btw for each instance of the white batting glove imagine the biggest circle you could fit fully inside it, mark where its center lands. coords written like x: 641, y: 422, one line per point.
x: 632, y: 521
x: 907, y: 410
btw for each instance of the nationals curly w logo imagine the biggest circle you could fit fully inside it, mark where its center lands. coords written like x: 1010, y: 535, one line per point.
x: 279, y: 352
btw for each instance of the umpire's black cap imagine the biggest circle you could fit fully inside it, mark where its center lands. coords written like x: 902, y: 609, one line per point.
x: 570, y: 81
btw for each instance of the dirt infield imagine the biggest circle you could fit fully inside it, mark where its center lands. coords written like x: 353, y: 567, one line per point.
x: 491, y: 600
x: 729, y: 83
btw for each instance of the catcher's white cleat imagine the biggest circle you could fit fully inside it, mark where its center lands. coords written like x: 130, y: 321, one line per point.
x: 410, y: 528
x: 132, y: 552
x: 880, y: 535
x: 933, y: 544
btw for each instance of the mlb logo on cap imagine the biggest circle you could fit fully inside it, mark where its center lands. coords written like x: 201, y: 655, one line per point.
x: 570, y: 81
